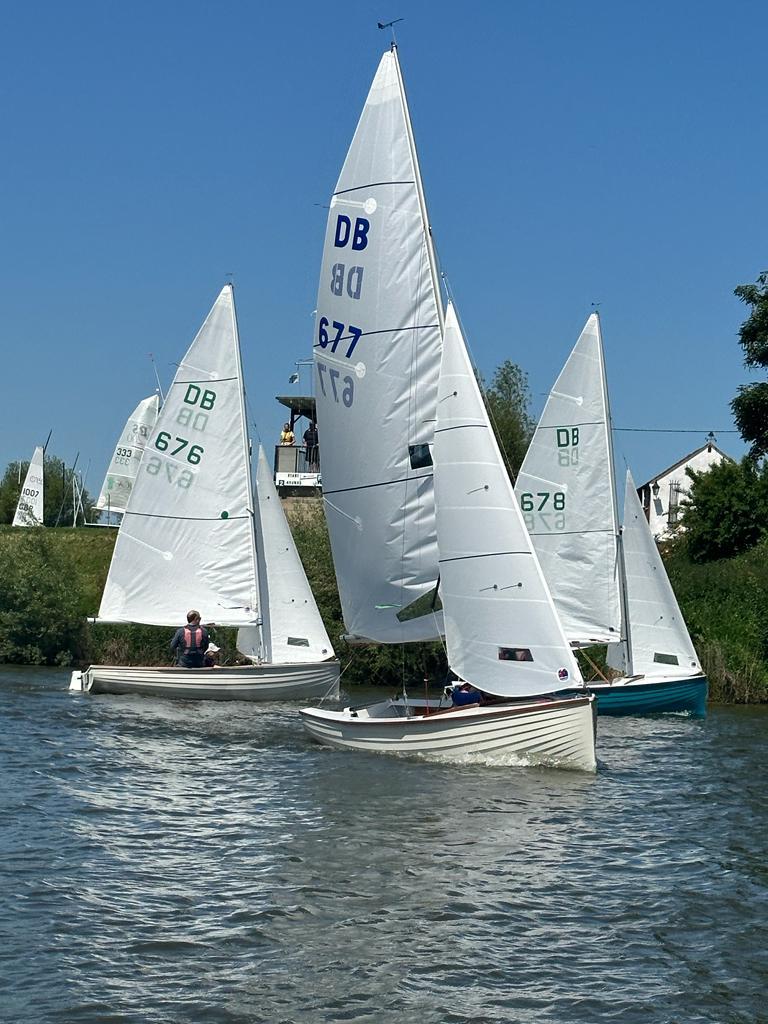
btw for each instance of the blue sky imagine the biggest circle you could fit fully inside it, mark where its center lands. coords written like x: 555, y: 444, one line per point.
x: 571, y: 154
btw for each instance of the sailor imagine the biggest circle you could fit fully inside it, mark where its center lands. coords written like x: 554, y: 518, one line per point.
x: 190, y: 641
x: 465, y: 695
x: 212, y: 656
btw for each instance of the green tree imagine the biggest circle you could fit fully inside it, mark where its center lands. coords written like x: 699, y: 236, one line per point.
x: 750, y: 406
x: 58, y: 492
x: 508, y: 399
x: 726, y: 511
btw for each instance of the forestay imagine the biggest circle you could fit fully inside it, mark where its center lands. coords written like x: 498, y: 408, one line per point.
x: 566, y: 493
x: 377, y: 354
x: 30, y: 507
x: 657, y: 641
x: 127, y: 455
x: 501, y: 627
x: 293, y: 629
x: 187, y: 538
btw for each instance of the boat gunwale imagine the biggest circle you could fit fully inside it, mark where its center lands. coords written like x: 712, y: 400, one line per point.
x: 474, y: 713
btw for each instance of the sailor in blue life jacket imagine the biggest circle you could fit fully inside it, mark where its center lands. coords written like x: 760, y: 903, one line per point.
x: 190, y: 642
x: 466, y: 694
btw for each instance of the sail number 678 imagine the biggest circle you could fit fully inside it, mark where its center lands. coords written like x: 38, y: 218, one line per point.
x: 538, y: 502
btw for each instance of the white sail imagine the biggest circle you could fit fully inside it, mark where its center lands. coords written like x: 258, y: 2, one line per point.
x: 187, y: 537
x: 30, y: 507
x: 656, y: 639
x: 566, y: 493
x: 377, y: 355
x: 292, y: 621
x: 124, y: 465
x: 501, y: 627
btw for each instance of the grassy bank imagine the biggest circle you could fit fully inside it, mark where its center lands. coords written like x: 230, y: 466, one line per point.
x: 51, y: 580
x: 725, y: 604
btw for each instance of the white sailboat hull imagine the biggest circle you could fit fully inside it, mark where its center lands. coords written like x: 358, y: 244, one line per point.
x: 267, y: 682
x: 559, y: 732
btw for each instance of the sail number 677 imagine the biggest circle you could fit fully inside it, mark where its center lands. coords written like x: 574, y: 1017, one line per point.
x: 347, y: 392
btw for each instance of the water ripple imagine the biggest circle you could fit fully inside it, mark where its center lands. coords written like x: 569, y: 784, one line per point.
x: 179, y: 862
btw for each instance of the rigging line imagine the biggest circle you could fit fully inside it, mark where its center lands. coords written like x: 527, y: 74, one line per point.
x: 669, y: 430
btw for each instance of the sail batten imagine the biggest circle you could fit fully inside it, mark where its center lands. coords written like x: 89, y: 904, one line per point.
x: 377, y: 353
x: 501, y: 629
x: 566, y: 491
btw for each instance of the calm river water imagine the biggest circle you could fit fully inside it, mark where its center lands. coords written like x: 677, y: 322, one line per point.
x: 180, y: 862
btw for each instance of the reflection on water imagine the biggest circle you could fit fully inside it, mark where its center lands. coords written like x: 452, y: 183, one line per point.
x: 193, y: 862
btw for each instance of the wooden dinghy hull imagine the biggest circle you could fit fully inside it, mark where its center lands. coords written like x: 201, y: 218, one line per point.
x: 557, y: 732
x: 649, y: 695
x: 265, y: 682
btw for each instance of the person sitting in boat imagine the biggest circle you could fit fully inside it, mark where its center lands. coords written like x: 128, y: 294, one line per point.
x: 287, y: 436
x: 466, y: 694
x: 212, y: 656
x: 190, y: 641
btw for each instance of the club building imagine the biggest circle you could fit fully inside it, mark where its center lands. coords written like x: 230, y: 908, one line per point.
x: 661, y: 496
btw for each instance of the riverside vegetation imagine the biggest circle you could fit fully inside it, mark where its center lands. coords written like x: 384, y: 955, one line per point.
x: 51, y: 580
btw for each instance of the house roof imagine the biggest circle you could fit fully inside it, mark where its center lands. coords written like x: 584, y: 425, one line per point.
x: 682, y: 462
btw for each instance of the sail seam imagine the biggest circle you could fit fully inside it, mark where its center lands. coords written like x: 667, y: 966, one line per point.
x: 206, y: 380
x: 386, y: 330
x: 187, y: 519
x: 485, y: 554
x: 382, y: 483
x: 372, y: 184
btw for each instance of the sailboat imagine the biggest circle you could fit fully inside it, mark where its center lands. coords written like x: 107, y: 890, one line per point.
x: 377, y: 357
x: 193, y: 537
x: 502, y: 632
x: 30, y: 507
x: 124, y: 465
x: 660, y: 670
x: 566, y: 489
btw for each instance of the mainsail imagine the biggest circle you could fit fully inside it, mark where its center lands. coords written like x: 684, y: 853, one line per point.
x: 656, y: 640
x: 30, y: 507
x: 377, y: 356
x: 566, y: 493
x: 187, y: 538
x: 124, y: 465
x: 501, y: 628
x: 293, y: 629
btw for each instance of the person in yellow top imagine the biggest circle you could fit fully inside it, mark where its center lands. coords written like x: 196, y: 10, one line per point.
x: 287, y: 435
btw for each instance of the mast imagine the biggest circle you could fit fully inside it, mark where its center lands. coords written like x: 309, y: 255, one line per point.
x: 264, y: 654
x: 420, y: 192
x: 620, y: 567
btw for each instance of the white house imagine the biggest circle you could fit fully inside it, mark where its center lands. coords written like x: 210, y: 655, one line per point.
x: 661, y: 495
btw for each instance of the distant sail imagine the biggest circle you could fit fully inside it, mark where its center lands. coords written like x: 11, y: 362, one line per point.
x: 656, y: 640
x: 377, y: 356
x: 501, y: 628
x: 566, y: 492
x: 293, y: 629
x: 126, y: 457
x: 187, y: 538
x: 30, y: 509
